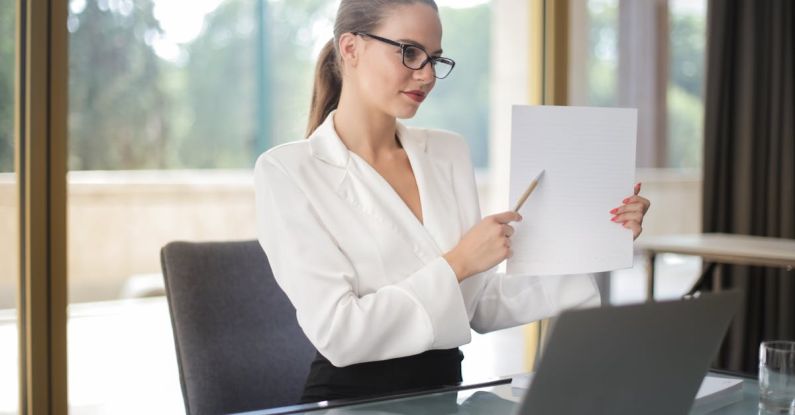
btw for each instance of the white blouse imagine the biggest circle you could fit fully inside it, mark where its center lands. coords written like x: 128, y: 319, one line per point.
x: 367, y: 279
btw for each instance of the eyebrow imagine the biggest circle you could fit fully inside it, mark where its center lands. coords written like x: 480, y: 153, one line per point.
x: 415, y: 43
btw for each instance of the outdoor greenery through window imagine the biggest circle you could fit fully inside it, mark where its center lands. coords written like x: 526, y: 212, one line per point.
x: 686, y: 60
x: 8, y: 17
x: 170, y: 103
x: 688, y: 28
x: 659, y: 67
x: 158, y: 85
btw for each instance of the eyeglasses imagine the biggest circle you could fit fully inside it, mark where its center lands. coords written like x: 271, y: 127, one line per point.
x: 415, y: 57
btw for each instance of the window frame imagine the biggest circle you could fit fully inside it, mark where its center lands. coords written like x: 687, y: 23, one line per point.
x: 40, y: 156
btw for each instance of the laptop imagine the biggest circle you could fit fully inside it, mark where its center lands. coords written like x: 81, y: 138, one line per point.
x: 639, y: 359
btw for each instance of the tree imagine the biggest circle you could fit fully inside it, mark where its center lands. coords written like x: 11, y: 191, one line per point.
x: 220, y: 94
x: 461, y: 101
x: 118, y: 110
x: 131, y: 109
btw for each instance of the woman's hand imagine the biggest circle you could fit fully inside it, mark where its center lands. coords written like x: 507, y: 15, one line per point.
x: 631, y: 213
x: 485, y: 245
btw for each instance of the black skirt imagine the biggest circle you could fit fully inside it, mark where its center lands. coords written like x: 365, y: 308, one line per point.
x: 434, y: 368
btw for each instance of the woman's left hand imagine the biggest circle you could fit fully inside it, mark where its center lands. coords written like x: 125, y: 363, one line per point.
x: 631, y: 213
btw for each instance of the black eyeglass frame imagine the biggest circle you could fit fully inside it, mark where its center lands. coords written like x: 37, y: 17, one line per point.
x: 404, y: 46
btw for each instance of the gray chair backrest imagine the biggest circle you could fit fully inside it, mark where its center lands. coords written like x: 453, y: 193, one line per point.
x: 239, y: 346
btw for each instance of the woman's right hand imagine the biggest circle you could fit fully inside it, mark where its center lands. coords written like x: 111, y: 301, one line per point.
x: 485, y: 245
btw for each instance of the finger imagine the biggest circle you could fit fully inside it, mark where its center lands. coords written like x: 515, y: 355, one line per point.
x: 507, y: 217
x: 628, y: 216
x: 637, y: 188
x: 632, y: 207
x: 636, y: 228
x: 638, y: 199
x: 507, y: 230
x: 646, y: 204
x: 643, y: 201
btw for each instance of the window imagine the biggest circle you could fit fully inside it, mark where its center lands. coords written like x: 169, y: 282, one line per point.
x: 650, y: 55
x: 460, y: 102
x: 169, y: 106
x: 688, y: 28
x: 9, y: 215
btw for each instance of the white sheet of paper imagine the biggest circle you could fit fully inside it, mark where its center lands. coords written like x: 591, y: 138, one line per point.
x: 588, y: 155
x: 713, y: 385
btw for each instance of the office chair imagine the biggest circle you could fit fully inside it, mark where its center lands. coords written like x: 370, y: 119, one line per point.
x: 238, y: 343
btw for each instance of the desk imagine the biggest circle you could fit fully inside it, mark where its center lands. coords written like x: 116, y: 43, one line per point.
x: 493, y: 398
x: 721, y: 249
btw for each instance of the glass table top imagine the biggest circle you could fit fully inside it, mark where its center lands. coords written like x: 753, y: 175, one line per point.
x: 498, y: 398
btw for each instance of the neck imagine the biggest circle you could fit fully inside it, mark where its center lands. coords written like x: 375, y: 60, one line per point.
x: 364, y: 130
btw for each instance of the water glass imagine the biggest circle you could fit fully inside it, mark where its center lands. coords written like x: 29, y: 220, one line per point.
x: 777, y: 377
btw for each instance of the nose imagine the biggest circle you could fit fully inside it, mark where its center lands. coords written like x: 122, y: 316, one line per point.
x: 426, y: 73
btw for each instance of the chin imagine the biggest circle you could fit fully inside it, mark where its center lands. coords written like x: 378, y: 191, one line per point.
x: 406, y: 113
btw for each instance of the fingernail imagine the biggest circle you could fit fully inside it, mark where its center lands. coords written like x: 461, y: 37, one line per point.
x: 615, y: 218
x: 614, y: 211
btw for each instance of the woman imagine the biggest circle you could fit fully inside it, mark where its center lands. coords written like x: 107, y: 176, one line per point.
x: 373, y: 229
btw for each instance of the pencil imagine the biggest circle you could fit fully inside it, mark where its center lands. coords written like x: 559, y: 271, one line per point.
x: 527, y: 192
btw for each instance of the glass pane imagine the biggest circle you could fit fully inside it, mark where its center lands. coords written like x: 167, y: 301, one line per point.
x: 657, y: 66
x: 9, y: 215
x: 613, y: 39
x: 688, y: 25
x: 169, y: 107
x: 461, y: 102
x: 170, y: 104
x: 163, y: 131
x: 603, y: 53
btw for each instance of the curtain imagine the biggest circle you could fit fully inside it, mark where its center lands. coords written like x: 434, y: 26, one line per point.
x: 749, y: 160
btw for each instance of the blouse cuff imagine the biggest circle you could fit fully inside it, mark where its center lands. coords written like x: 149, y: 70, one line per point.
x: 437, y: 290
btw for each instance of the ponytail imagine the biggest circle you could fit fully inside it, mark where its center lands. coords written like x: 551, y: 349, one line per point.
x: 327, y: 89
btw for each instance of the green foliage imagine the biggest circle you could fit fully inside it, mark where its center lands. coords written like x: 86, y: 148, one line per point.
x: 686, y: 76
x: 685, y: 128
x: 118, y: 109
x: 294, y: 64
x: 603, y: 53
x: 602, y: 88
x: 215, y: 103
x: 217, y: 111
x: 688, y: 47
x: 685, y: 103
x: 7, y: 51
x: 460, y: 102
x: 131, y: 109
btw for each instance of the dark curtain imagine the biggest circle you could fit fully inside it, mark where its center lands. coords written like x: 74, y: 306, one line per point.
x: 749, y: 160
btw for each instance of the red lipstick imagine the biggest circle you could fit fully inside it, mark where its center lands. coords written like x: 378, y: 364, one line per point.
x: 416, y: 95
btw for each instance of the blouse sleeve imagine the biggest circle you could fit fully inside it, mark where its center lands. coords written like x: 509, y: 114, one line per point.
x: 423, y: 311
x: 507, y: 300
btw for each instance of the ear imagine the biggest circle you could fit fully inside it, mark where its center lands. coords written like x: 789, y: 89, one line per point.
x: 349, y: 49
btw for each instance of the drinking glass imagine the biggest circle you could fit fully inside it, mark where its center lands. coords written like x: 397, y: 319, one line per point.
x: 777, y: 377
